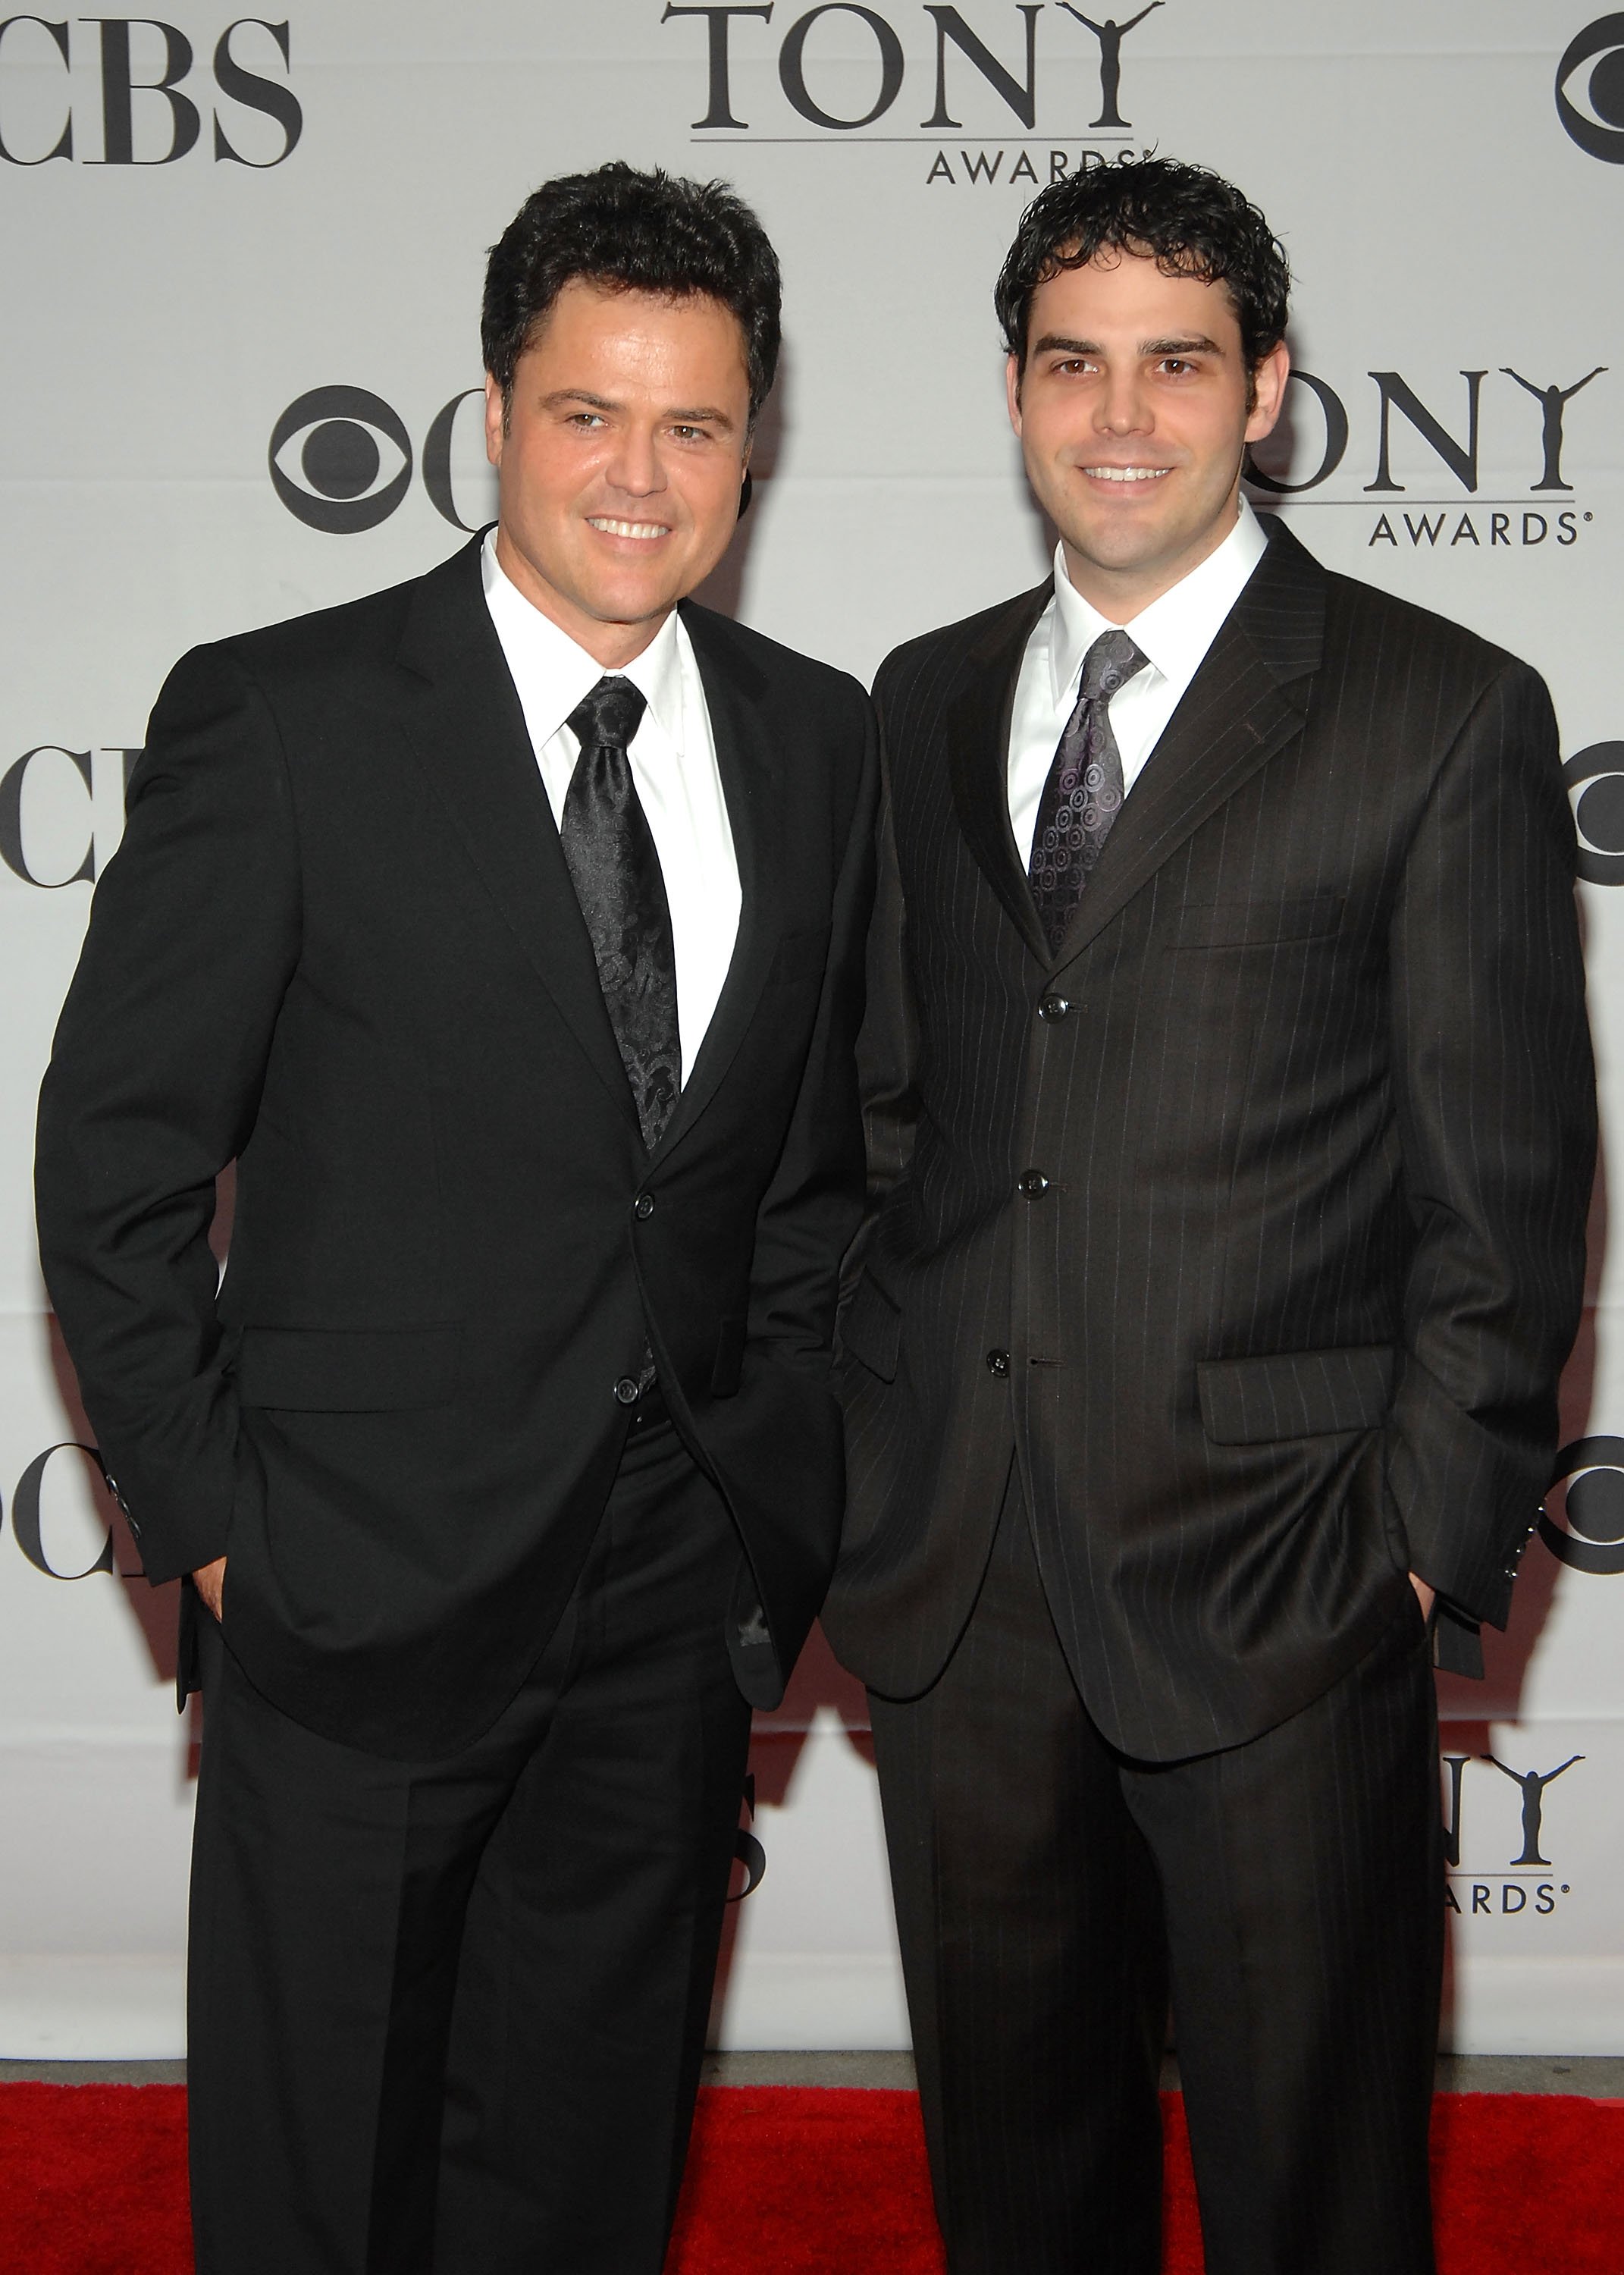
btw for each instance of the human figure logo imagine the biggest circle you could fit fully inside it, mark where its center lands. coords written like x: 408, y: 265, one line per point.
x: 1553, y: 400
x: 1532, y: 1784
x: 1517, y: 1889
x: 1110, y: 35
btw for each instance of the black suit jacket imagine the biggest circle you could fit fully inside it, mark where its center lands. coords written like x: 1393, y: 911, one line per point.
x: 1309, y: 1083
x: 340, y: 944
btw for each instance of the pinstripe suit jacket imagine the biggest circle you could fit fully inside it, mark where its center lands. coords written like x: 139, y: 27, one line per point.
x: 1311, y: 1085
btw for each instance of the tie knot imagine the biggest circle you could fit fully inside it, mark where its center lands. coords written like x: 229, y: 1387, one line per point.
x: 609, y: 716
x: 1109, y: 663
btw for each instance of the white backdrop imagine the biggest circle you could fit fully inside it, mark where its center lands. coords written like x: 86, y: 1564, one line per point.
x: 304, y: 212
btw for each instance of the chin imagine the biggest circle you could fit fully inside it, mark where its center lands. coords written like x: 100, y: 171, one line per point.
x: 1120, y: 549
x: 631, y: 604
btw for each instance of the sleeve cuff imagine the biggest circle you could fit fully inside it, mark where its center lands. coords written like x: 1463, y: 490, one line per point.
x: 1457, y: 1642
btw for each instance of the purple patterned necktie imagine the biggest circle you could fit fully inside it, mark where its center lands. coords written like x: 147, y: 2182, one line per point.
x: 1084, y: 793
x: 616, y: 872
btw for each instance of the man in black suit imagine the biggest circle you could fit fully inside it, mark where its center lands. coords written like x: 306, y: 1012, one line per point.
x: 1232, y: 1127
x: 507, y: 929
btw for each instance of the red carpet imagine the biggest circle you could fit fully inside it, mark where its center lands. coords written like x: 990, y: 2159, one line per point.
x: 786, y: 2181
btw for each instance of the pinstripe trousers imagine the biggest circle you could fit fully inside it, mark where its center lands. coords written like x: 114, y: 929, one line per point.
x: 1049, y: 1890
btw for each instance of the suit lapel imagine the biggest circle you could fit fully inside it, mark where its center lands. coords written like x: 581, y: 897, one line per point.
x: 977, y: 735
x: 734, y: 690
x: 1246, y: 702
x: 466, y: 726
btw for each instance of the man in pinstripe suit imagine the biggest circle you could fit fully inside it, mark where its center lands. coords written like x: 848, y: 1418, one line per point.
x: 1232, y: 1116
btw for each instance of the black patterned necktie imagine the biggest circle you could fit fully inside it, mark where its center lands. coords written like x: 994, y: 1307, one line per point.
x: 616, y: 872
x: 1084, y: 793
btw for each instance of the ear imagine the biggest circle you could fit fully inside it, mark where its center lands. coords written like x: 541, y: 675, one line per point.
x: 494, y: 420
x: 1269, y: 392
x: 1012, y: 390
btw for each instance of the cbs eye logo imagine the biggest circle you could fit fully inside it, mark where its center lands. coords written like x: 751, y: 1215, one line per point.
x: 341, y: 460
x: 1590, y: 1534
x: 1590, y: 89
x: 1599, y: 810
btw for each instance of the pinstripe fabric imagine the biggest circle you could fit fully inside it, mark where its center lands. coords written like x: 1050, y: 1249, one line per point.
x: 1299, y: 1880
x: 1030, y: 1921
x: 1318, y: 1124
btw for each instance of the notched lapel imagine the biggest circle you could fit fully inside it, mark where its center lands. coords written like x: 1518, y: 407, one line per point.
x: 977, y: 737
x: 734, y: 690
x: 463, y: 721
x: 1245, y: 703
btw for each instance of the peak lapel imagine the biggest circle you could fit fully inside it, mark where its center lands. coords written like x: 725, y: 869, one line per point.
x: 1246, y: 702
x: 977, y: 735
x: 466, y: 727
x: 734, y: 690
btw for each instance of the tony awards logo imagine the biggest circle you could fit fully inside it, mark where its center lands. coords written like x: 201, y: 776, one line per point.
x: 1520, y: 1886
x: 843, y: 68
x: 1424, y: 483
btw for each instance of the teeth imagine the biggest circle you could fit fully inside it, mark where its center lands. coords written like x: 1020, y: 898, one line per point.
x: 628, y: 528
x: 1127, y: 474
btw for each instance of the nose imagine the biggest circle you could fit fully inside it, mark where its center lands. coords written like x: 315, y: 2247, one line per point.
x: 1122, y: 404
x: 635, y: 466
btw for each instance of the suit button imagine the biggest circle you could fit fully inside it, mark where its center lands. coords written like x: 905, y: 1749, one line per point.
x: 1032, y: 1183
x: 998, y: 1362
x: 1053, y: 1007
x: 626, y: 1390
x: 644, y: 1206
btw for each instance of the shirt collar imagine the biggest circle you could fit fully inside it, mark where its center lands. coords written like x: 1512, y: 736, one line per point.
x: 1175, y: 631
x: 553, y: 673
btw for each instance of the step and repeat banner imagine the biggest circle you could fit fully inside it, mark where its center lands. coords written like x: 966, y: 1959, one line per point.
x: 242, y: 259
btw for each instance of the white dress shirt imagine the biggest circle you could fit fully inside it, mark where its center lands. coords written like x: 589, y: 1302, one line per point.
x: 1174, y: 632
x: 673, y: 764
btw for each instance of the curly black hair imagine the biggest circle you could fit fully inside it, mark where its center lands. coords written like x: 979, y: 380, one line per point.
x: 634, y: 232
x: 1191, y: 221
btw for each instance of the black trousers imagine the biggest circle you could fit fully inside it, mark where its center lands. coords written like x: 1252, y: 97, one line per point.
x: 449, y: 2014
x: 1048, y: 1887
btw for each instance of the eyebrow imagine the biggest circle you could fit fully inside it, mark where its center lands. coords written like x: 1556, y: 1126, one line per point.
x: 1185, y: 344
x: 704, y: 415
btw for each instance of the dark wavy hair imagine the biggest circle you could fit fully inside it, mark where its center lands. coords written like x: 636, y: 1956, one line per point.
x: 1192, y: 223
x: 632, y: 232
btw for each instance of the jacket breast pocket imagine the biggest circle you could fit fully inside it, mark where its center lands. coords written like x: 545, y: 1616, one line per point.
x: 348, y: 1369
x: 870, y: 1329
x: 1256, y: 922
x: 1247, y: 1402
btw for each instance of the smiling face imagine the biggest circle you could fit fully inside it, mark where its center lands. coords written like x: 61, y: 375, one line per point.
x: 1133, y: 412
x: 619, y: 457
